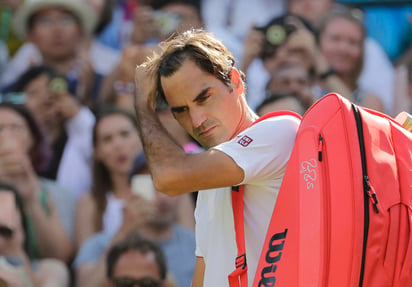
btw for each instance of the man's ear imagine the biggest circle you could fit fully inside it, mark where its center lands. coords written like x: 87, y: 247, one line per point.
x: 237, y: 81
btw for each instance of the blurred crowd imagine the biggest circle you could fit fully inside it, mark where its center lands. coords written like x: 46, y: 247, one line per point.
x: 77, y: 204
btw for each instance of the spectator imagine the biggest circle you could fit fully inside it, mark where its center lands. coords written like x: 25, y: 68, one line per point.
x: 341, y: 39
x: 377, y: 75
x: 116, y: 144
x: 117, y: 33
x: 155, y: 219
x: 311, y: 10
x: 68, y: 124
x: 103, y: 57
x: 136, y: 261
x: 287, y: 39
x: 7, y: 35
x: 292, y: 79
x: 15, y: 267
x: 21, y: 153
x: 159, y: 21
x: 150, y: 26
x: 403, y: 91
x: 231, y: 20
x: 281, y: 102
x: 57, y: 32
x: 118, y: 87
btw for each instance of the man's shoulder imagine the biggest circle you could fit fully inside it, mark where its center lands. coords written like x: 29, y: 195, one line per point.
x: 92, y: 249
x: 279, y: 119
x: 268, y: 129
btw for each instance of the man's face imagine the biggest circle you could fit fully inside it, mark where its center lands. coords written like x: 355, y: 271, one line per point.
x: 166, y: 211
x: 293, y: 79
x: 134, y: 268
x: 208, y: 110
x: 56, y: 33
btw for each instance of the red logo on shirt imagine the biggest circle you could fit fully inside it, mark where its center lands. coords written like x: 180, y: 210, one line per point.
x: 245, y: 141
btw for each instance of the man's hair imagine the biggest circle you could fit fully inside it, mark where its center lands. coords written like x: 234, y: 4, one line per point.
x: 199, y: 46
x: 33, y: 73
x: 135, y: 242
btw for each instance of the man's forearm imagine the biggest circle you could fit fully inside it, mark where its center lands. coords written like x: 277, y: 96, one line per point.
x: 162, y: 152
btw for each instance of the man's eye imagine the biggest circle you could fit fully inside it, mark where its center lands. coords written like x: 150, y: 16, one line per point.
x: 203, y: 99
x: 179, y: 110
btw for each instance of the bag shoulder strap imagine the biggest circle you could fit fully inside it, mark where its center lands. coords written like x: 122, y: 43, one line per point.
x: 238, y: 278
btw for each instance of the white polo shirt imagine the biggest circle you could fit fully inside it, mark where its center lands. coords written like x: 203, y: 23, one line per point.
x: 262, y: 151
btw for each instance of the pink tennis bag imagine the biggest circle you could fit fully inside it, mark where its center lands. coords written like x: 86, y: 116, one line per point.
x: 343, y: 216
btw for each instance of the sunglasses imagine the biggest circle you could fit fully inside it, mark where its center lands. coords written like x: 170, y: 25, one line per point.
x: 6, y: 232
x: 132, y: 282
x: 13, y: 98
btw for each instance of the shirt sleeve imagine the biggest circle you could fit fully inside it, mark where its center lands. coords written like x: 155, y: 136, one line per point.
x: 263, y: 150
x: 92, y: 249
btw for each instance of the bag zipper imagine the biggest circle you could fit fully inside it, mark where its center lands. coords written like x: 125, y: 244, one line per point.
x: 322, y: 159
x: 368, y: 193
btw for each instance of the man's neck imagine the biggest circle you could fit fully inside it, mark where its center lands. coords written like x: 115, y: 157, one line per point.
x: 61, y: 65
x: 247, y: 119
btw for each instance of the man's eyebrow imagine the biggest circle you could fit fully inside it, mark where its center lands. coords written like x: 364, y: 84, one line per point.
x: 202, y: 94
x: 180, y: 109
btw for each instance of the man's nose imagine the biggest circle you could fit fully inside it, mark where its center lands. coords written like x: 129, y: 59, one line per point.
x: 197, y: 117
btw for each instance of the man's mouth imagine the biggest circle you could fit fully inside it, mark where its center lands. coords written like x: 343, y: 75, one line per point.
x: 207, y: 131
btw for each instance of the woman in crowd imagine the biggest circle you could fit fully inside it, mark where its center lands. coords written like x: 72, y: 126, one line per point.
x: 342, y: 38
x: 116, y: 146
x: 23, y: 152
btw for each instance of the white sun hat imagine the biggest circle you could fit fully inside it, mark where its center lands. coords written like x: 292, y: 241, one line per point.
x: 79, y: 8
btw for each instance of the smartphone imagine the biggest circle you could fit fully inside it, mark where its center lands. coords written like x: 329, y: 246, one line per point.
x: 142, y: 185
x: 8, y: 219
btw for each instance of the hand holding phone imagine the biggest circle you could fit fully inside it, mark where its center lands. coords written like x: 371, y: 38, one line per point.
x: 8, y: 220
x: 142, y: 185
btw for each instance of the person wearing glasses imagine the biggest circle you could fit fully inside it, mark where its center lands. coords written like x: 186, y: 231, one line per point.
x: 15, y: 267
x: 136, y: 261
x: 48, y: 208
